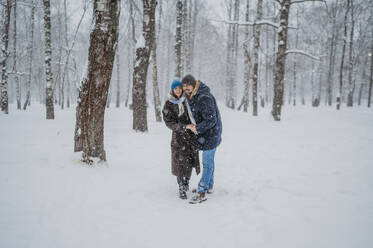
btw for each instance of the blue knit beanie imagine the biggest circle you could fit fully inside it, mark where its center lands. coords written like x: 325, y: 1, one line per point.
x: 176, y: 83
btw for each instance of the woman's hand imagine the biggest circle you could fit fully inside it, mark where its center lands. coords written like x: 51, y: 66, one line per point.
x: 192, y: 128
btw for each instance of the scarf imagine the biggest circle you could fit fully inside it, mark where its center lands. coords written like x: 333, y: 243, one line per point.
x: 179, y: 102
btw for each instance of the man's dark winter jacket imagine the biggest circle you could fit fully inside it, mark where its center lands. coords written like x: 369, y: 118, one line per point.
x: 206, y: 114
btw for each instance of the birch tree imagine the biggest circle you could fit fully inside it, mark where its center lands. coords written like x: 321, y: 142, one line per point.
x: 48, y: 61
x: 5, y: 53
x: 230, y: 102
x: 333, y: 44
x: 281, y: 56
x: 131, y: 45
x: 29, y: 51
x: 143, y: 49
x: 117, y: 100
x: 339, y: 95
x: 93, y: 92
x: 371, y: 74
x: 247, y: 62
x: 363, y: 83
x: 257, y: 29
x: 15, y: 72
x: 156, y: 97
x: 229, y: 54
x: 179, y: 40
x: 351, y: 83
x: 295, y: 66
x: 280, y: 60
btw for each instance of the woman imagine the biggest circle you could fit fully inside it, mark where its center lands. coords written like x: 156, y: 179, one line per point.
x: 177, y: 115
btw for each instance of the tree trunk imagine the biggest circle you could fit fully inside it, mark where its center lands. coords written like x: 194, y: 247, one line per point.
x: 117, y: 101
x: 312, y: 82
x: 29, y: 50
x: 295, y: 66
x: 108, y: 100
x: 229, y: 56
x: 351, y: 83
x: 362, y: 84
x: 267, y: 69
x: 371, y: 76
x: 48, y: 61
x: 93, y: 92
x: 156, y: 98
x: 143, y: 50
x: 247, y: 63
x: 194, y: 14
x: 168, y: 66
x: 234, y: 48
x: 280, y: 61
x: 5, y: 53
x: 186, y: 35
x: 130, y: 56
x: 317, y: 101
x: 257, y: 29
x: 129, y: 82
x: 339, y: 96
x: 179, y: 41
x: 332, y: 61
x: 16, y: 76
x: 60, y: 46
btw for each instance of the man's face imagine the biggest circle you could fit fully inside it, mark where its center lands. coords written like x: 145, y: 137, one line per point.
x: 188, y: 88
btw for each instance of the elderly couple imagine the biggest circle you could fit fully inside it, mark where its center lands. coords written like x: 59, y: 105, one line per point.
x: 193, y: 116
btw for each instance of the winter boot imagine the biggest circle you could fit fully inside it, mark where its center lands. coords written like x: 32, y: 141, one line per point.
x: 186, y: 186
x: 182, y: 192
x: 198, y: 198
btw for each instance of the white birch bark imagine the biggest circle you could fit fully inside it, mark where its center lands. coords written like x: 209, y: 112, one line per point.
x: 339, y: 95
x: 15, y: 72
x: 29, y: 51
x: 257, y: 29
x: 280, y: 61
x: 179, y: 41
x: 351, y: 82
x: 48, y: 61
x: 5, y: 53
x: 247, y: 63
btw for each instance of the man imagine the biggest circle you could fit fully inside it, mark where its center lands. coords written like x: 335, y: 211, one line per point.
x: 207, y: 127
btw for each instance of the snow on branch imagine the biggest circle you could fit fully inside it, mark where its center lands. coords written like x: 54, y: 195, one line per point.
x: 17, y: 73
x: 302, y: 1
x: 261, y: 22
x: 303, y: 53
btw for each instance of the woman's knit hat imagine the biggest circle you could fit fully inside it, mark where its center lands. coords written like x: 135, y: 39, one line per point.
x: 176, y: 83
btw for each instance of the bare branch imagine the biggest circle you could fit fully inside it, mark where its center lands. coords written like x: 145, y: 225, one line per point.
x: 302, y: 1
x: 303, y: 53
x: 261, y: 22
x: 17, y: 73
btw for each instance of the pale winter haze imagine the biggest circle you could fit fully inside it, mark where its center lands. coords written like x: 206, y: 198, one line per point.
x: 96, y: 143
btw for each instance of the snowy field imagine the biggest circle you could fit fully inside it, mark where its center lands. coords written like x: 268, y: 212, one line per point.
x: 306, y: 181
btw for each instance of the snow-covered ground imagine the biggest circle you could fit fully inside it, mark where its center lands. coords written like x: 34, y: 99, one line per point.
x: 303, y: 182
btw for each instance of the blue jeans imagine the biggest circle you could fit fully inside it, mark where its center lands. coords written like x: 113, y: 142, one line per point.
x: 207, y: 180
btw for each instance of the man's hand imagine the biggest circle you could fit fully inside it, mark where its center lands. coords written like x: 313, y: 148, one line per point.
x: 192, y: 128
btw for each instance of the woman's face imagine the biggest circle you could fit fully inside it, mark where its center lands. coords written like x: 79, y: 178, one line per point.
x: 178, y: 91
